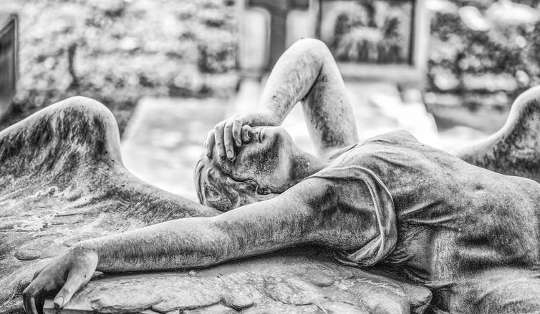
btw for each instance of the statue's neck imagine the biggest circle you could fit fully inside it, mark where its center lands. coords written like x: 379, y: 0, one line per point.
x: 304, y: 165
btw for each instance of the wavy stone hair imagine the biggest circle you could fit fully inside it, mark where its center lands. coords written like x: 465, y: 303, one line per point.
x: 222, y: 192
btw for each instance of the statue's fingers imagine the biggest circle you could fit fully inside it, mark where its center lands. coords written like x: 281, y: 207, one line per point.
x: 36, y: 273
x: 29, y: 297
x: 78, y: 276
x: 237, y: 132
x: 39, y: 301
x: 27, y: 301
x: 218, y: 135
x: 34, y: 295
x: 209, y: 143
x: 30, y: 305
x: 228, y: 140
x: 72, y: 285
x: 246, y: 134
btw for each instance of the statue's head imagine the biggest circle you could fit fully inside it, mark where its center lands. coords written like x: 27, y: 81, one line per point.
x: 262, y: 169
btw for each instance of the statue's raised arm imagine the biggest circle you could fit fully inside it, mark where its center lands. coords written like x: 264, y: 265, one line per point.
x: 306, y: 73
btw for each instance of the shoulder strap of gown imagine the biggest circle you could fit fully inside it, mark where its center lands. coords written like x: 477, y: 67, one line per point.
x: 382, y: 245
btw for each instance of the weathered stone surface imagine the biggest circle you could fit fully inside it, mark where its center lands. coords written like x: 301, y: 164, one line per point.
x: 276, y: 283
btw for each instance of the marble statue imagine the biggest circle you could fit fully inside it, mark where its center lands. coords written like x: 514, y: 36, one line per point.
x: 465, y: 226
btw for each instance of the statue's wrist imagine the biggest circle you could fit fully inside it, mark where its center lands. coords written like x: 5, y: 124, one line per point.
x: 83, y: 248
x: 269, y: 118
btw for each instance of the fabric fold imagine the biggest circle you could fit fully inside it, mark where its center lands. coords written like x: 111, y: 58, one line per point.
x: 383, y: 244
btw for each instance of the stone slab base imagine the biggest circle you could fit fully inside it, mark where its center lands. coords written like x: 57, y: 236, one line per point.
x: 301, y: 280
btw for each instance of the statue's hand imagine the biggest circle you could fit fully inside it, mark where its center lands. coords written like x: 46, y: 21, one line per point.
x: 235, y: 131
x: 67, y: 273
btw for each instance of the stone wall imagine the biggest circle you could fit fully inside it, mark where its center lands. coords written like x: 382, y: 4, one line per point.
x: 120, y: 50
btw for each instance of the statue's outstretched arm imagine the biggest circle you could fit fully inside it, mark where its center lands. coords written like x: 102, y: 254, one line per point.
x: 304, y: 214
x: 307, y: 73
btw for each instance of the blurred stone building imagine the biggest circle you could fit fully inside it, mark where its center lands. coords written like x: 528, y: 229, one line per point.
x: 118, y: 51
x: 482, y: 53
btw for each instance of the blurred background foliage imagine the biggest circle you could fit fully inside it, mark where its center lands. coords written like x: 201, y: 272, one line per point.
x: 369, y: 30
x: 482, y: 52
x: 117, y: 51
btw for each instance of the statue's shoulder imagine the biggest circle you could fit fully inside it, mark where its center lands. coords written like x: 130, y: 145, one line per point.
x: 393, y: 137
x: 386, y: 141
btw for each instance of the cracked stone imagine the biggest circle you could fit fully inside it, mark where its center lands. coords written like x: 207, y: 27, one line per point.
x: 237, y: 301
x: 344, y: 308
x: 284, y: 308
x: 213, y: 309
x: 321, y: 280
x: 39, y: 248
x: 112, y: 303
x: 291, y: 291
x: 27, y: 255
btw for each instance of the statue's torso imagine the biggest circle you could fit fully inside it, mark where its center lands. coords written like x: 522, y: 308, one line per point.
x: 453, y: 218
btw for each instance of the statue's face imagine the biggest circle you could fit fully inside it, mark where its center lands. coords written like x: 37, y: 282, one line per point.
x: 267, y: 159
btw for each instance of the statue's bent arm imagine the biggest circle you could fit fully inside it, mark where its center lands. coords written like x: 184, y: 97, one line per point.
x: 307, y: 72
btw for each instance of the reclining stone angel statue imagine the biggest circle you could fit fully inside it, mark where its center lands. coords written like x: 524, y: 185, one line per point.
x: 464, y: 225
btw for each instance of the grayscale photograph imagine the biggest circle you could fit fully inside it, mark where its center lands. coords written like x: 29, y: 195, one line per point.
x: 269, y: 156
